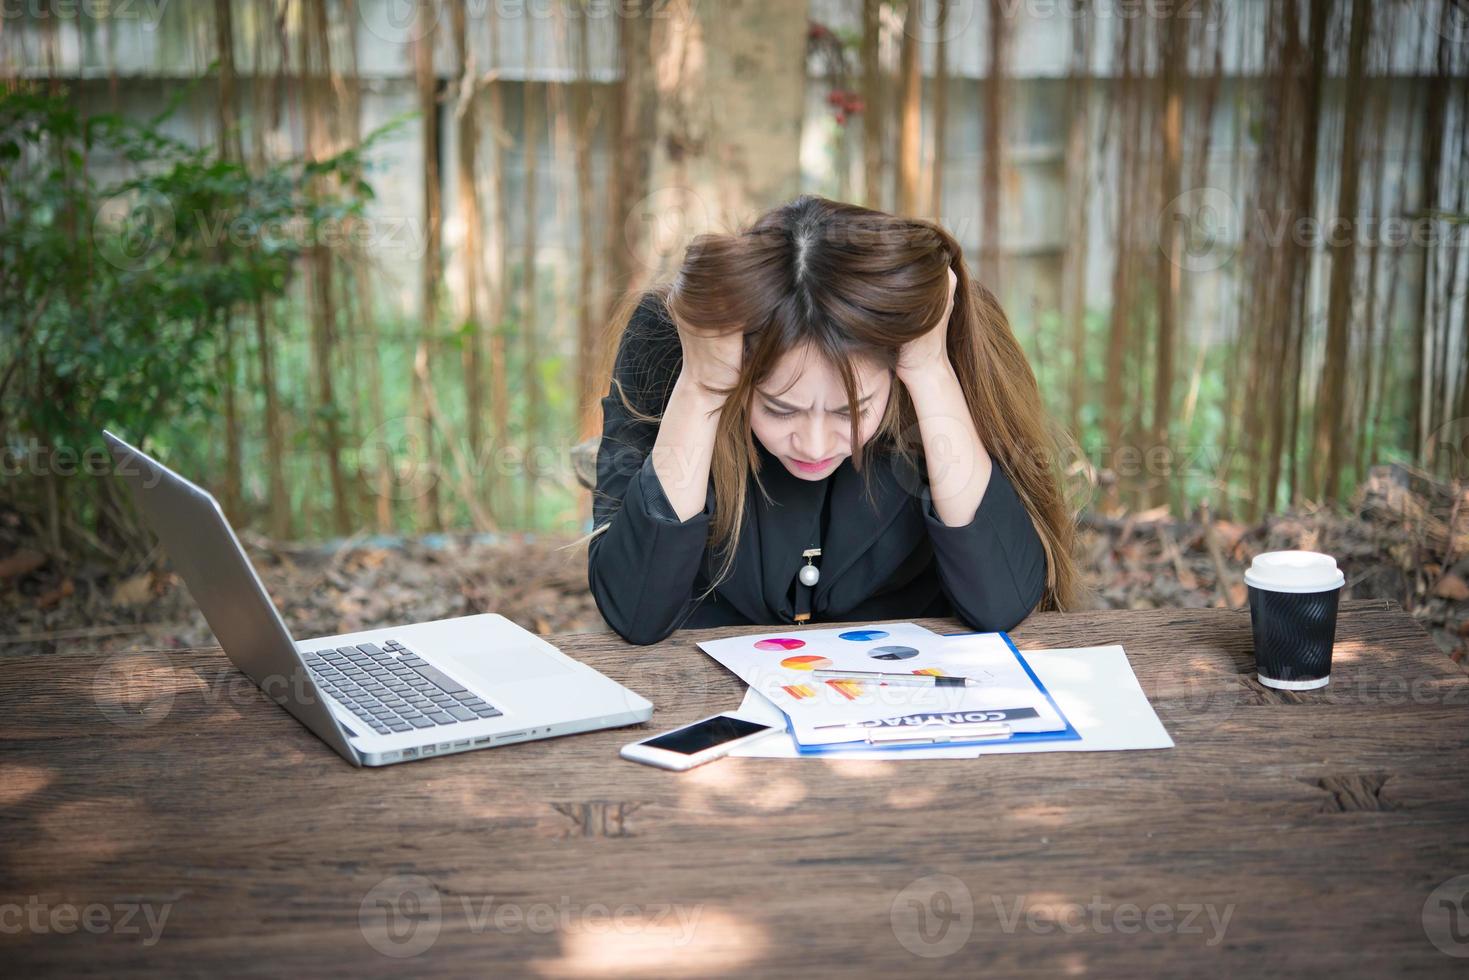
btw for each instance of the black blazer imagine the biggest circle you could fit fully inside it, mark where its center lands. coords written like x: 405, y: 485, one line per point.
x: 896, y: 561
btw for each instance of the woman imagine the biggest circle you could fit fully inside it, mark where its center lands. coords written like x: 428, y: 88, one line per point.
x: 841, y: 358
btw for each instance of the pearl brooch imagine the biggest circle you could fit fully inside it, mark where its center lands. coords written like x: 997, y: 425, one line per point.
x: 810, y: 574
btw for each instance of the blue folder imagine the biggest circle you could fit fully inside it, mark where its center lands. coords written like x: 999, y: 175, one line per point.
x: 1067, y: 734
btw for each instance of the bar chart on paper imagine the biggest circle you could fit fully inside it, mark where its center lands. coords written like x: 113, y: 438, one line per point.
x: 818, y: 709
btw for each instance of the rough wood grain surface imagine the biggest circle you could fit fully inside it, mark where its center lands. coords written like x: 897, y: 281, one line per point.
x: 158, y: 814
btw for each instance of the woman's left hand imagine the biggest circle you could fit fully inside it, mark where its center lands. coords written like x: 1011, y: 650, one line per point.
x: 930, y: 351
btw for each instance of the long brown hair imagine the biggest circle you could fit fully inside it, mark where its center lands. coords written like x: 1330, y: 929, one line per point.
x: 856, y: 284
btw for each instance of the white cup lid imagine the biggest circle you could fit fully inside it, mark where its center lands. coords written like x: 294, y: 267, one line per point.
x: 1295, y: 571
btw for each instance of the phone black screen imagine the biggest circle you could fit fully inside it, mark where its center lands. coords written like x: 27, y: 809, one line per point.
x: 705, y: 735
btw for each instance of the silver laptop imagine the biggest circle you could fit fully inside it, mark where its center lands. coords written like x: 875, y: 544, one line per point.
x: 378, y: 696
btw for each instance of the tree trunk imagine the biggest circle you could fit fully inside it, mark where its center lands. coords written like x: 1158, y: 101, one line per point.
x: 994, y: 145
x: 1430, y: 163
x: 910, y: 128
x: 278, y: 508
x: 532, y: 106
x: 1166, y: 267
x: 634, y: 131
x: 1331, y: 416
x: 1452, y: 380
x: 315, y: 64
x: 586, y: 335
x: 229, y: 142
x: 1113, y: 422
x: 730, y: 105
x: 426, y: 82
x: 278, y: 520
x: 940, y: 114
x: 1300, y: 283
x: 872, y: 99
x: 471, y: 255
x: 499, y: 271
x: 1078, y: 200
x: 1375, y: 348
x: 363, y: 316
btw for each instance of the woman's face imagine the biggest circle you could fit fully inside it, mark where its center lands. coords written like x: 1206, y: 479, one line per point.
x: 808, y: 424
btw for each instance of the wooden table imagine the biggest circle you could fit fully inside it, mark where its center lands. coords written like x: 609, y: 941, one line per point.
x: 159, y: 814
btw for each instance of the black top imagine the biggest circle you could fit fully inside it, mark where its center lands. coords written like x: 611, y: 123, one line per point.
x: 801, y: 593
x: 894, y: 560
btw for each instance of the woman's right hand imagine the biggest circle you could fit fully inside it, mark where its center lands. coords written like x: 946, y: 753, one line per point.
x: 711, y: 361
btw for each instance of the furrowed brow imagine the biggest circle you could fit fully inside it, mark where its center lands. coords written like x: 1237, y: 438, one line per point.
x: 795, y: 408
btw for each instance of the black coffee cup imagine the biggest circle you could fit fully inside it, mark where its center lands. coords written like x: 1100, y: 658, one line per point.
x: 1293, y: 601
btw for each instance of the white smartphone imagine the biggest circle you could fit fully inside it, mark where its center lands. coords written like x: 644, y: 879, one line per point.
x: 695, y: 744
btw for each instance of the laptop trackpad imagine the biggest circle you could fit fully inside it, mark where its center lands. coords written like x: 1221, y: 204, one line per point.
x: 523, y: 665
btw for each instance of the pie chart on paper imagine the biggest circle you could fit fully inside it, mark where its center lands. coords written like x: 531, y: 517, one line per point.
x: 806, y: 661
x: 892, y: 653
x: 780, y: 643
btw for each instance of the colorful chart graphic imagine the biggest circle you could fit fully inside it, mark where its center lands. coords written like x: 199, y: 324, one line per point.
x: 847, y: 689
x: 780, y: 643
x: 806, y: 661
x: 862, y: 636
x: 851, y: 690
x: 892, y: 653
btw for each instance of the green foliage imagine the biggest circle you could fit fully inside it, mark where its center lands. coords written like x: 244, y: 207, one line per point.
x: 117, y: 297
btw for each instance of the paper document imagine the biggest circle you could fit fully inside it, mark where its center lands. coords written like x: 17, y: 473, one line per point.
x: 1094, y: 686
x: 780, y: 667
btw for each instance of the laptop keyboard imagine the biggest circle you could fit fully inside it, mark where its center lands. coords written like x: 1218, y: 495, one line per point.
x: 392, y: 689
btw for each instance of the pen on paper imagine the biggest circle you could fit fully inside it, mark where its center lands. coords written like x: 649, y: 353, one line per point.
x: 880, y: 677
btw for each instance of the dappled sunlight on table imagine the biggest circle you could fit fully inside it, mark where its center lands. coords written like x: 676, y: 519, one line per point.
x: 1039, y: 815
x: 914, y: 797
x: 20, y: 783
x: 704, y: 941
x: 1073, y: 965
x: 92, y: 832
x: 741, y: 782
x: 860, y: 769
